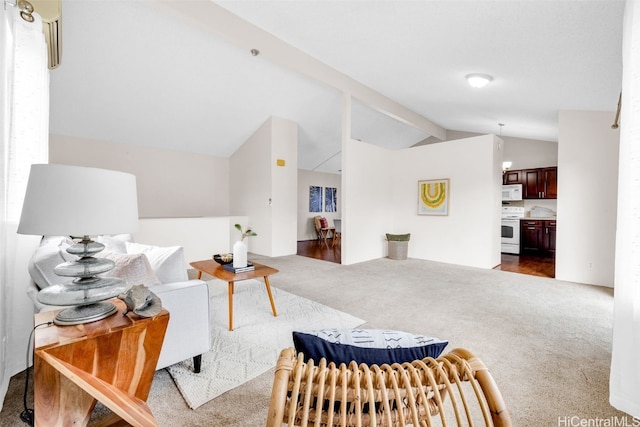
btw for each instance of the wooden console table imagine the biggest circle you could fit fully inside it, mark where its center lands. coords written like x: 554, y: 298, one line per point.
x: 111, y: 360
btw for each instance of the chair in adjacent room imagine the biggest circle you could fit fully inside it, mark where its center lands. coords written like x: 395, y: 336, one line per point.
x: 454, y: 390
x: 316, y: 224
x: 323, y: 231
x: 337, y: 232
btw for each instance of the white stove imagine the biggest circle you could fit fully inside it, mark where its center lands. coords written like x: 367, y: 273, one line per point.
x: 510, y: 238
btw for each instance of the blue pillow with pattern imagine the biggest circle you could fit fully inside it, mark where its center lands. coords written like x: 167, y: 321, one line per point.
x: 369, y: 346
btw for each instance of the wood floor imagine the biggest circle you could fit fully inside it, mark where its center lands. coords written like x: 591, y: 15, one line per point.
x: 527, y: 264
x: 318, y: 250
x: 532, y: 265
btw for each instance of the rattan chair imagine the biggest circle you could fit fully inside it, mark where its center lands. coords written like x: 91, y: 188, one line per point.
x: 454, y: 390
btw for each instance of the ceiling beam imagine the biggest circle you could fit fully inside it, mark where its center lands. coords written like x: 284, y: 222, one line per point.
x: 215, y: 19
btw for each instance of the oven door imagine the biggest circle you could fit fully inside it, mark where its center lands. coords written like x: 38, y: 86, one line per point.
x: 510, y: 238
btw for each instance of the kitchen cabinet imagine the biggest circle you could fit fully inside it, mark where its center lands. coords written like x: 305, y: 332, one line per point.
x: 531, y: 236
x: 549, y: 238
x: 512, y: 177
x: 538, y: 237
x: 539, y: 183
x: 550, y: 183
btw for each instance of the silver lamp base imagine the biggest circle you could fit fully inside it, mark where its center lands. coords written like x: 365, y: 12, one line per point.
x: 85, y: 313
x: 88, y: 291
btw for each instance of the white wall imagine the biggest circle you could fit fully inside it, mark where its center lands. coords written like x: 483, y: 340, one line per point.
x: 523, y: 152
x: 174, y: 184
x: 382, y: 189
x: 306, y: 228
x: 253, y: 179
x: 250, y: 185
x: 470, y: 234
x: 530, y: 153
x: 284, y: 199
x: 170, y: 183
x: 200, y: 238
x: 367, y: 188
x: 587, y: 197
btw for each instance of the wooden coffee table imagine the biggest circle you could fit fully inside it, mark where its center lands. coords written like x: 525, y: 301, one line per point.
x: 214, y: 269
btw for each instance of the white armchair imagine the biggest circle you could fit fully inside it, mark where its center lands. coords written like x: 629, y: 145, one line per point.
x: 163, y: 270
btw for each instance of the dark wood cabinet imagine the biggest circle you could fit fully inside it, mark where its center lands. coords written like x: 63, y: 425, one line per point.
x: 539, y: 183
x: 550, y: 183
x: 512, y: 177
x: 549, y: 237
x: 538, y: 237
x: 531, y: 236
x: 531, y: 184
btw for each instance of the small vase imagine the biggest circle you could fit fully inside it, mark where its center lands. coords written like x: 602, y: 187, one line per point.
x: 239, y: 254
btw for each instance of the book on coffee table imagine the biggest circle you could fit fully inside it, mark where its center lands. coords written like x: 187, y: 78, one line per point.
x: 231, y: 268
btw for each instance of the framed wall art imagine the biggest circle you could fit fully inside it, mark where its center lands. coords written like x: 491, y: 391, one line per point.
x: 330, y: 199
x: 433, y: 197
x: 315, y: 199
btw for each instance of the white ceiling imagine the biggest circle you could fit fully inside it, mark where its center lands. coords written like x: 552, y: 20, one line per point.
x: 133, y: 73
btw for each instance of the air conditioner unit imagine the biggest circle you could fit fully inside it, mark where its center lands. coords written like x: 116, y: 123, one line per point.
x: 51, y: 13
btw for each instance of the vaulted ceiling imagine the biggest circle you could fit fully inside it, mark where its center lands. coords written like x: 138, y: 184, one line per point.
x: 142, y: 72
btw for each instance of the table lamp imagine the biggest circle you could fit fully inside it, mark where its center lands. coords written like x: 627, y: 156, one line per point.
x: 80, y: 202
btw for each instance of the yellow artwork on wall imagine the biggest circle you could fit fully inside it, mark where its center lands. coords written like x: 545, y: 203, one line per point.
x: 433, y: 197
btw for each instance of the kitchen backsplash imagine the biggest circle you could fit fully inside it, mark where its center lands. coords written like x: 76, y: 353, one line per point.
x: 529, y: 204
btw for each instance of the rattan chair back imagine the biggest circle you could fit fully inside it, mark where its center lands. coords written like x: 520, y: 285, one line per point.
x: 453, y: 390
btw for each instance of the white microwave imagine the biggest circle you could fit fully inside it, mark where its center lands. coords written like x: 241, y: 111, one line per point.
x: 511, y: 192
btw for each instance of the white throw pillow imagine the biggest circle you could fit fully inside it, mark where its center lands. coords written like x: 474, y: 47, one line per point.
x: 135, y: 269
x: 115, y: 243
x: 51, y: 253
x: 167, y: 262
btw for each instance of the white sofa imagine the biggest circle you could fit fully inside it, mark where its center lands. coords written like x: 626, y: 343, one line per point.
x: 162, y: 269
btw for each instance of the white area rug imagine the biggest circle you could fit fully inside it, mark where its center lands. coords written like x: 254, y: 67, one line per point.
x: 252, y: 348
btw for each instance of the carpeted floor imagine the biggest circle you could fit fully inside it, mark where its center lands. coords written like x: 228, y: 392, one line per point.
x: 546, y: 342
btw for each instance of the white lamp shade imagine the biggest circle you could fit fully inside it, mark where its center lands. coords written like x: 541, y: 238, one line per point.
x: 77, y: 201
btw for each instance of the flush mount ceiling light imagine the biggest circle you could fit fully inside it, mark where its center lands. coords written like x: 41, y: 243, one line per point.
x: 478, y: 80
